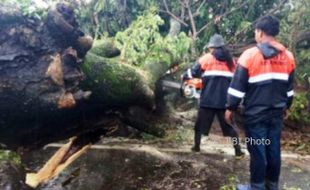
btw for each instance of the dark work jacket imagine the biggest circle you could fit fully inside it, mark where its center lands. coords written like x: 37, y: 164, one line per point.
x: 264, y: 80
x: 216, y: 77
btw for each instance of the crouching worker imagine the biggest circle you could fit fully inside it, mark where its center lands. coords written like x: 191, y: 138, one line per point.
x: 216, y: 70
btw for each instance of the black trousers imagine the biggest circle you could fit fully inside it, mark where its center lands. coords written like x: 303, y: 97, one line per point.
x: 205, y: 120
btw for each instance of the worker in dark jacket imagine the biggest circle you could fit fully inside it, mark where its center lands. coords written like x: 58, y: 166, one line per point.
x: 216, y: 70
x: 264, y: 80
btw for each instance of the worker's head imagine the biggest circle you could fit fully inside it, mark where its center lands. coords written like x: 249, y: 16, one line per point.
x: 215, y: 41
x: 216, y: 47
x: 267, y: 26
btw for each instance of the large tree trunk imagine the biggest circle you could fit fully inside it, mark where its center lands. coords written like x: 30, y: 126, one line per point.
x: 41, y: 81
x: 39, y: 70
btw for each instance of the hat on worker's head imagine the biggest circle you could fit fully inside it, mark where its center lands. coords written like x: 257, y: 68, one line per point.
x: 215, y: 41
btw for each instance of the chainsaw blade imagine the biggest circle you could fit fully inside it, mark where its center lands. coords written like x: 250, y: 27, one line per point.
x: 171, y: 84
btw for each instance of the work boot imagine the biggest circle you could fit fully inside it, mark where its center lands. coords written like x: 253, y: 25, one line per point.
x: 272, y: 185
x: 195, y: 148
x: 238, y: 152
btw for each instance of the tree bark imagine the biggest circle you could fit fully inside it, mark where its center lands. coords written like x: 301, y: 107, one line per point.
x: 42, y: 78
x: 39, y: 70
x: 303, y: 36
x: 116, y: 85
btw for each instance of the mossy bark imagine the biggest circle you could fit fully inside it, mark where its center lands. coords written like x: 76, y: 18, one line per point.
x: 105, y: 48
x: 116, y: 85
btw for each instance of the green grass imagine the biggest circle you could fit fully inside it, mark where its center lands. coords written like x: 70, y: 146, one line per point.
x: 13, y: 157
x: 231, y: 185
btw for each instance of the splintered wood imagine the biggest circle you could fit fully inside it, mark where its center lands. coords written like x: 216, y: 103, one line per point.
x: 55, y: 165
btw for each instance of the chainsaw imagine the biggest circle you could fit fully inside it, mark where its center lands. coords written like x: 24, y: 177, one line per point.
x: 189, y: 88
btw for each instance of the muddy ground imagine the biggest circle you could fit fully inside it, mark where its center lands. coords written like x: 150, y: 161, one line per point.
x: 144, y: 162
x: 151, y: 163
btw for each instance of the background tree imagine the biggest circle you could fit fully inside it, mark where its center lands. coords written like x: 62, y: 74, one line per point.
x: 295, y: 33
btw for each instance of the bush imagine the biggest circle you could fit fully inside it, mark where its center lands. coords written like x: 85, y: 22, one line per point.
x: 298, y: 112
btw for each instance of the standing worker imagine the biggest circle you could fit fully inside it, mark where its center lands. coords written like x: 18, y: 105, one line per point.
x: 264, y: 79
x: 216, y: 70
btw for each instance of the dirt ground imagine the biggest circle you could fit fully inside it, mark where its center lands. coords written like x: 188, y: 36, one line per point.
x: 124, y: 164
x: 167, y: 163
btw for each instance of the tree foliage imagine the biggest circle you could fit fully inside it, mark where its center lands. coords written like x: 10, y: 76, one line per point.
x: 298, y: 112
x: 142, y: 42
x: 295, y: 33
x: 29, y: 8
x: 110, y: 16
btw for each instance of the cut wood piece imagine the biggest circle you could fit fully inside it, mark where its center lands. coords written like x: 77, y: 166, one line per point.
x: 55, y: 165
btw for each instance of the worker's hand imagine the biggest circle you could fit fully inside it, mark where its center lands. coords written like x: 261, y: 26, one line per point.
x: 228, y: 116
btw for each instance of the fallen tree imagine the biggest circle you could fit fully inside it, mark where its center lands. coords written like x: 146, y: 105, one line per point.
x: 39, y: 70
x: 42, y: 66
x: 45, y: 95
